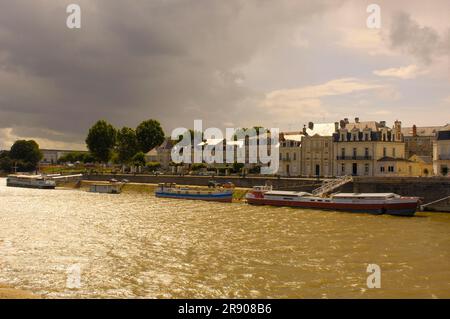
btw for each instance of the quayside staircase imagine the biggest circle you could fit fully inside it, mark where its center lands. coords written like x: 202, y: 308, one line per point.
x: 331, y: 184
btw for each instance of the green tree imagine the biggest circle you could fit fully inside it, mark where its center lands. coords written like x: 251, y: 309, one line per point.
x: 149, y: 135
x: 153, y: 166
x: 26, y: 154
x: 237, y: 167
x: 88, y: 158
x: 127, y: 144
x: 6, y: 163
x: 101, y: 140
x: 138, y: 159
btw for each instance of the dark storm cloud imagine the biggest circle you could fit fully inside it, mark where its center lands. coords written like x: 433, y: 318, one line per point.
x: 170, y: 60
x: 422, y: 42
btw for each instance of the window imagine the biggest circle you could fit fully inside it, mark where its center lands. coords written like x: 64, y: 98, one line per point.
x: 393, y: 152
x: 343, y: 168
x: 295, y: 156
x: 384, y: 152
x: 366, y: 169
x: 382, y: 169
x: 391, y: 169
x: 354, y: 152
x: 281, y: 156
x: 366, y: 152
x: 287, y: 156
x: 343, y: 152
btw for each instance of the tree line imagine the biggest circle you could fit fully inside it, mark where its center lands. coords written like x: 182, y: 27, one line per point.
x: 104, y: 142
x: 125, y: 145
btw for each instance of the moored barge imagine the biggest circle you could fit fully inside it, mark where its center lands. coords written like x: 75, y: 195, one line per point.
x: 374, y: 203
x: 171, y: 190
x: 30, y: 181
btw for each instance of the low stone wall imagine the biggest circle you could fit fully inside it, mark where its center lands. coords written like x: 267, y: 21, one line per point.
x: 429, y: 188
x: 305, y: 184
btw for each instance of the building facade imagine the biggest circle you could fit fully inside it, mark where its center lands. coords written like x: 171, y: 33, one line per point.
x: 161, y: 154
x: 317, y: 152
x: 290, y: 153
x: 361, y: 148
x: 441, y: 152
x: 419, y: 140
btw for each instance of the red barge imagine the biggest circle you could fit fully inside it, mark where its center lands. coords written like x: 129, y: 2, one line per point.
x: 374, y: 203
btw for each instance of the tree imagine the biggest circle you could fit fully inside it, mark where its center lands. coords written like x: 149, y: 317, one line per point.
x: 101, y: 140
x: 153, y: 166
x: 237, y: 167
x: 6, y: 163
x: 127, y: 144
x: 138, y: 159
x: 26, y: 154
x: 149, y: 135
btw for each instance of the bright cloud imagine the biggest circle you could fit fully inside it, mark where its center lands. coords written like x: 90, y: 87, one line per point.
x: 406, y: 72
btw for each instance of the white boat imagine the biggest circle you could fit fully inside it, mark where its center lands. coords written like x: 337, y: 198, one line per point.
x: 374, y: 203
x: 30, y: 181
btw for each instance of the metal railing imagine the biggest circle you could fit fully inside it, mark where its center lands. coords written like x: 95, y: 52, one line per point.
x: 331, y: 184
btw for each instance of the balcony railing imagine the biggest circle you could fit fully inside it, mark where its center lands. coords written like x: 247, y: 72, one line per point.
x: 355, y: 158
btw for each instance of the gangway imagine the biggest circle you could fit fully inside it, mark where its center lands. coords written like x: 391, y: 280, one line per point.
x: 434, y: 202
x: 331, y: 184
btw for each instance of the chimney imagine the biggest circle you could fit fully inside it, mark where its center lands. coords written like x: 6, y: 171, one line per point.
x: 346, y: 121
x: 336, y: 126
x: 311, y: 125
x: 342, y: 123
x: 304, y: 130
x: 382, y: 123
x: 414, y: 132
x: 356, y: 119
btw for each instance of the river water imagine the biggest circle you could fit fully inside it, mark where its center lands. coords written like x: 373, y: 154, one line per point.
x: 74, y: 244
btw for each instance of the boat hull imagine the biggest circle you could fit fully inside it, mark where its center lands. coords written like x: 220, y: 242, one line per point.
x: 397, y: 209
x: 11, y: 184
x: 218, y: 197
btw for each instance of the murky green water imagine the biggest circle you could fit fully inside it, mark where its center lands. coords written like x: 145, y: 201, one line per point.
x: 135, y: 245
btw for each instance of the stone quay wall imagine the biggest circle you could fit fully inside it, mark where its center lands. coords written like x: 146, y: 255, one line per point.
x: 429, y: 188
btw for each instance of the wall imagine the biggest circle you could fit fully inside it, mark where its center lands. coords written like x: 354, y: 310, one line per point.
x: 429, y: 188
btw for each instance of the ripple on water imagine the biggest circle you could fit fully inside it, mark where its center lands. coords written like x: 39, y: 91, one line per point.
x: 135, y: 245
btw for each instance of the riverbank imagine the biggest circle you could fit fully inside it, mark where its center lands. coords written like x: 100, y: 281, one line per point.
x: 12, y: 293
x: 428, y: 188
x: 149, y: 188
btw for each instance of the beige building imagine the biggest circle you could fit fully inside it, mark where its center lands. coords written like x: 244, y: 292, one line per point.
x: 417, y: 166
x: 441, y: 152
x: 360, y: 146
x: 290, y: 152
x: 317, y: 151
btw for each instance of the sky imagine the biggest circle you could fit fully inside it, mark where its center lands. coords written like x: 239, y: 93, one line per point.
x: 230, y: 63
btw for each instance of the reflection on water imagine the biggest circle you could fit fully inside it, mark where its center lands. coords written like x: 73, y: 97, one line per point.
x: 135, y: 245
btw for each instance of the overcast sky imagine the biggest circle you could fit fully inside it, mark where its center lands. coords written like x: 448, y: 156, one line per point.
x: 230, y: 63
